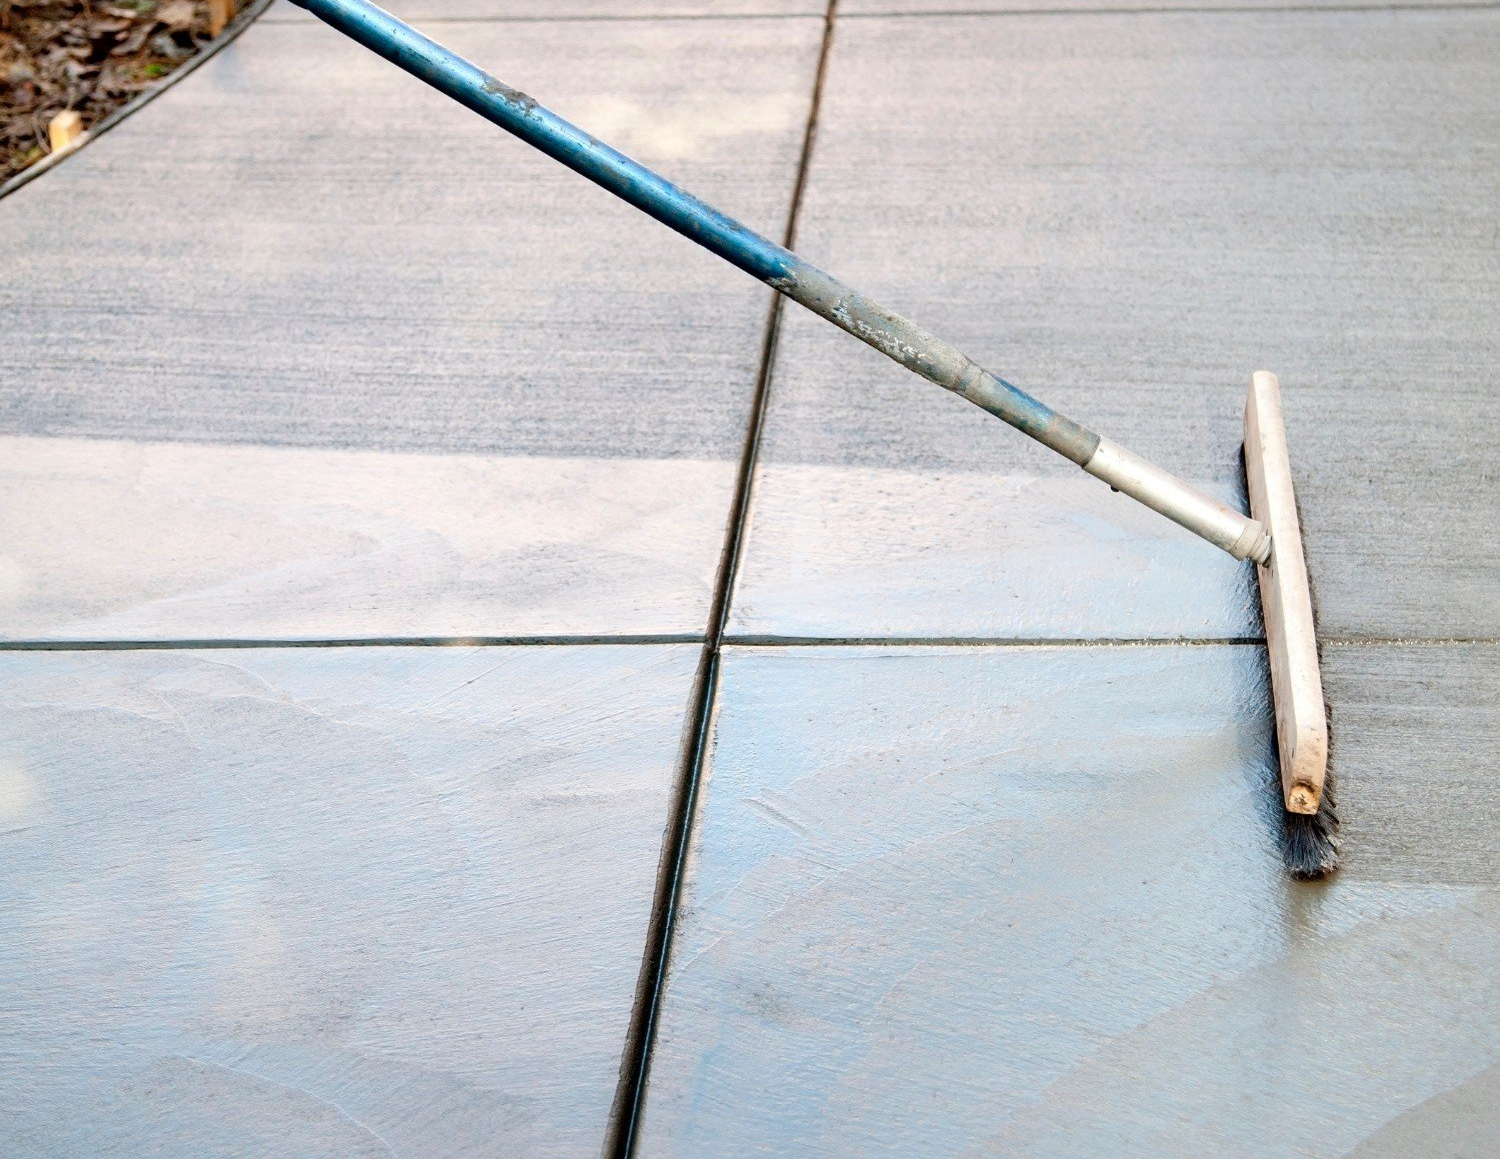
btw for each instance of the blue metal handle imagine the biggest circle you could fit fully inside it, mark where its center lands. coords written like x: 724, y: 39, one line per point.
x: 778, y: 267
x: 775, y: 265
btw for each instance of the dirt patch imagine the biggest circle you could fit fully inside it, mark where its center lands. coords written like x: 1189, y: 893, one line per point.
x: 57, y: 55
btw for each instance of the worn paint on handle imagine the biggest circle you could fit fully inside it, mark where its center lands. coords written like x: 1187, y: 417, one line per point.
x: 631, y: 181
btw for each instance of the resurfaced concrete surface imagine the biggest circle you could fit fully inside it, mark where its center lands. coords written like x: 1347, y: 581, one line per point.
x: 1127, y: 215
x: 1024, y: 901
x: 326, y: 902
x: 983, y: 858
x: 339, y: 256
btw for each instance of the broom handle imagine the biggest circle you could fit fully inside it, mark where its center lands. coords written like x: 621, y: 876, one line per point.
x: 784, y: 271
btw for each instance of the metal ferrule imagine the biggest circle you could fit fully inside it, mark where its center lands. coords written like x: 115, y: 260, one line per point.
x: 1239, y: 535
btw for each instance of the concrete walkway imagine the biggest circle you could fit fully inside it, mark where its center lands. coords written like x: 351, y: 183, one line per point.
x: 378, y: 542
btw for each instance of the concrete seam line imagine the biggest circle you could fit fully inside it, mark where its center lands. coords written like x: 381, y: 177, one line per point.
x: 621, y: 1135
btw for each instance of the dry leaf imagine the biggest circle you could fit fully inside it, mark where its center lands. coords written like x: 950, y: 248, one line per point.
x: 177, y: 13
x: 85, y: 55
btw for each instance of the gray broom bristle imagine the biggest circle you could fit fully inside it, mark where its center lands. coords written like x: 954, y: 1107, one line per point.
x: 1310, y: 841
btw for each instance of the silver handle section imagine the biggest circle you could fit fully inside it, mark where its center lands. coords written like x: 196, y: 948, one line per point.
x: 1239, y: 535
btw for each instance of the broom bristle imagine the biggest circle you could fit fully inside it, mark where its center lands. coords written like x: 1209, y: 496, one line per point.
x: 1310, y: 841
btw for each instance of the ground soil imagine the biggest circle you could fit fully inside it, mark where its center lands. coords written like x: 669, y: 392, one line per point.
x: 88, y: 56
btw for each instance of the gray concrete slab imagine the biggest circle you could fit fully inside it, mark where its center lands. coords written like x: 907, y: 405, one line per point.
x: 301, y: 246
x: 309, y: 902
x: 1416, y: 731
x: 1025, y: 901
x: 1127, y: 215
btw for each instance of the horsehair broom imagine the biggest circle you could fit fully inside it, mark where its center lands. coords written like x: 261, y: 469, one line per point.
x: 1309, y: 835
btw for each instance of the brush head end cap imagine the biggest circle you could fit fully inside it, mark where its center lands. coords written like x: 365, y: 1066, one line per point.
x: 1302, y: 799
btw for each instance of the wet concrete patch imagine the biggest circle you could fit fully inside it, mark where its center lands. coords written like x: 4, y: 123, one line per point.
x: 326, y: 901
x: 1026, y: 901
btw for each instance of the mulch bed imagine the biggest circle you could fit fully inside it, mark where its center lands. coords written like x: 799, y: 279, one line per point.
x: 91, y: 57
